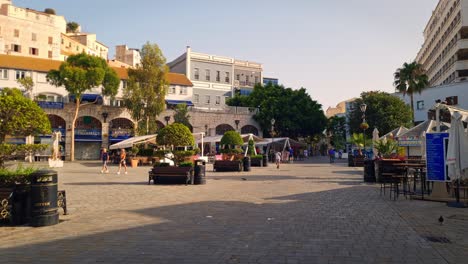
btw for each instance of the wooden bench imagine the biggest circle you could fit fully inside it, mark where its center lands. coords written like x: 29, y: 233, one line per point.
x: 171, y: 174
x: 227, y: 165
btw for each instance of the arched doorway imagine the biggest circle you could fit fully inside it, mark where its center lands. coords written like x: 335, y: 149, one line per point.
x: 223, y: 128
x: 88, y: 138
x: 120, y: 129
x: 249, y: 129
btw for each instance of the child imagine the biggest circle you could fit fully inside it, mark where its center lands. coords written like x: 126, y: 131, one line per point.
x: 123, y: 156
x: 105, y: 159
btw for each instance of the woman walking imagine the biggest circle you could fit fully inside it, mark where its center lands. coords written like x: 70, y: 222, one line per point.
x: 122, y: 162
x: 105, y: 159
x: 278, y: 159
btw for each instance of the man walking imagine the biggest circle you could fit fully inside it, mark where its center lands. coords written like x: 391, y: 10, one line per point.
x: 105, y: 159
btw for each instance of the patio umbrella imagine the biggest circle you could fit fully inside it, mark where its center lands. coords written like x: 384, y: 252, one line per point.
x: 457, y: 150
x: 375, y: 137
x: 423, y: 144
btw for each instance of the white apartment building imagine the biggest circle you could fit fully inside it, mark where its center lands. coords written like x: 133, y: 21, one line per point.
x: 128, y: 56
x: 215, y: 78
x: 88, y: 40
x: 27, y: 32
x: 444, y: 53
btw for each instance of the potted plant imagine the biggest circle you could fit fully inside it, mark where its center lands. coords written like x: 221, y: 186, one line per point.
x: 232, y: 153
x: 133, y: 155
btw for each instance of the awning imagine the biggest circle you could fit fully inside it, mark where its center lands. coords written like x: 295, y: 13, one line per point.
x: 216, y: 139
x: 177, y: 102
x: 128, y: 143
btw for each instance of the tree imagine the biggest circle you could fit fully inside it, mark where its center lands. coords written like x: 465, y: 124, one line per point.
x: 146, y: 88
x: 384, y: 112
x: 50, y: 11
x: 28, y: 84
x: 181, y: 116
x: 409, y: 79
x: 78, y: 74
x: 337, y: 128
x: 295, y: 113
x: 176, y: 135
x: 72, y: 27
x: 19, y: 116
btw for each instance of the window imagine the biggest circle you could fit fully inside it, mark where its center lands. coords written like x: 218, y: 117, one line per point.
x: 218, y: 76
x: 16, y: 33
x: 51, y: 40
x: 172, y: 90
x: 256, y: 79
x: 20, y: 75
x: 15, y: 47
x: 227, y: 77
x: 238, y: 77
x: 218, y: 100
x: 196, y: 74
x: 33, y: 51
x: 196, y: 98
x: 33, y: 37
x: 50, y: 54
x: 420, y: 105
x: 207, y: 99
x: 124, y: 84
x: 4, y: 74
x: 207, y: 74
x: 183, y: 90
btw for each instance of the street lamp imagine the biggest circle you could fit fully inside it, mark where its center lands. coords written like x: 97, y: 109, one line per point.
x: 206, y: 129
x: 272, y: 121
x: 167, y: 118
x: 363, y: 110
x: 105, y: 115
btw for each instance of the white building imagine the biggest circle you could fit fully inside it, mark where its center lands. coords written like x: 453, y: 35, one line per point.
x: 27, y: 32
x: 128, y: 56
x: 444, y: 53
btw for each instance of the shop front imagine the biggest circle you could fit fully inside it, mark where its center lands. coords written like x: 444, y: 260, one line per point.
x: 88, y: 138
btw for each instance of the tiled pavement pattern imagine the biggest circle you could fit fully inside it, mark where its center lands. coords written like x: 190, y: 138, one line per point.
x: 306, y: 212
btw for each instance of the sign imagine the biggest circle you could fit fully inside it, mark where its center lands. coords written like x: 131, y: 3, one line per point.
x: 88, y: 134
x: 436, y: 147
x: 409, y: 141
x: 51, y: 105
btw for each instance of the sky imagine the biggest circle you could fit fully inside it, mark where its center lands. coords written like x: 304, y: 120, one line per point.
x: 336, y: 49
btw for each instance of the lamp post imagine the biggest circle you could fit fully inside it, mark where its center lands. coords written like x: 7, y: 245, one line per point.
x: 363, y: 110
x: 206, y: 129
x: 272, y: 121
x: 167, y: 118
x: 105, y: 115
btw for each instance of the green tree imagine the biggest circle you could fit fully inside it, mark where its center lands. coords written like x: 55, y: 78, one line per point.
x: 19, y: 116
x: 384, y: 112
x: 410, y: 79
x: 337, y: 127
x: 295, y: 113
x: 231, y: 141
x: 80, y: 73
x: 28, y: 84
x: 181, y: 116
x: 72, y: 27
x: 50, y: 11
x: 176, y: 135
x: 146, y: 88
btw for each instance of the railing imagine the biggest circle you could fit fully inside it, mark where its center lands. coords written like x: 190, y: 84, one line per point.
x: 238, y: 110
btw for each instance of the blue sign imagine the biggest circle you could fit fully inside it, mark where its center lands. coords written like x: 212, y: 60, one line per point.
x: 51, y: 105
x: 436, y: 147
x: 88, y: 134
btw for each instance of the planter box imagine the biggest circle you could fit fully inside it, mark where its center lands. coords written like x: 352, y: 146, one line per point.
x: 227, y: 165
x: 256, y: 162
x: 171, y: 174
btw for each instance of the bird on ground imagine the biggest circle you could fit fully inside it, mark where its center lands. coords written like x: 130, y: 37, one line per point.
x: 441, y: 220
x: 244, y: 179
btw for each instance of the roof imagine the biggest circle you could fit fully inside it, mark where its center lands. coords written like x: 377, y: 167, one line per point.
x: 45, y: 65
x: 396, y: 132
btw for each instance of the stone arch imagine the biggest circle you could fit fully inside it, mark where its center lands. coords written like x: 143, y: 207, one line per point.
x: 223, y: 128
x: 88, y: 122
x: 121, y: 128
x: 122, y: 123
x: 249, y: 129
x: 56, y: 121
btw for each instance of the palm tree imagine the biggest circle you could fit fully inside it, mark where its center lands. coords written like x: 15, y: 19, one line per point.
x: 409, y: 79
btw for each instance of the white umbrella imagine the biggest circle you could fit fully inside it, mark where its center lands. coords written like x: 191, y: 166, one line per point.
x: 423, y: 144
x: 375, y: 137
x: 457, y: 148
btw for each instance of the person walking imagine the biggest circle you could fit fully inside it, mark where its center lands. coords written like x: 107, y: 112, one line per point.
x: 105, y: 159
x: 122, y: 162
x: 331, y: 153
x: 278, y: 159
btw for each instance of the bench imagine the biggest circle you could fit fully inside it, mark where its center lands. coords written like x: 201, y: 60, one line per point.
x: 171, y: 174
x: 227, y: 165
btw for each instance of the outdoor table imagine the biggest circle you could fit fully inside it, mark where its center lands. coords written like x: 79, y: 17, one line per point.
x: 419, y: 169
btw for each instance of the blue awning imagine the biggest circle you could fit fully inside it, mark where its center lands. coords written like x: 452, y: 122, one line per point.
x: 176, y: 102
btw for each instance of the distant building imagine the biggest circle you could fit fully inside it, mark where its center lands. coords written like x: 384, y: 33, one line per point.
x: 92, y: 46
x: 31, y: 33
x: 247, y: 74
x: 128, y: 56
x: 267, y: 80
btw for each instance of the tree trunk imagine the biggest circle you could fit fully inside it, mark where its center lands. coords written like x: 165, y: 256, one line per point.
x: 412, y: 107
x: 147, y: 125
x: 72, y: 148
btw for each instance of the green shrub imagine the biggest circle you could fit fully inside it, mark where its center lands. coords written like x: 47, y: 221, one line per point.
x: 176, y: 135
x: 251, y: 148
x: 20, y: 175
x: 231, y: 139
x: 161, y: 164
x: 186, y: 164
x: 161, y: 153
x: 146, y: 152
x: 232, y: 151
x: 181, y: 155
x: 256, y: 157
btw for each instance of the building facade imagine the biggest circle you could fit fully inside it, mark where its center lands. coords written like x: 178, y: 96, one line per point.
x: 246, y: 75
x: 27, y: 32
x: 128, y: 56
x: 268, y: 80
x: 444, y: 54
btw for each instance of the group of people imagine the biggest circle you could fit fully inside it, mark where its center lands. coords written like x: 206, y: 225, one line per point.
x: 105, y: 158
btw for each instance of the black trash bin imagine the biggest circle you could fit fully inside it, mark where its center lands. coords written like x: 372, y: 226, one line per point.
x: 350, y: 160
x: 200, y: 172
x: 369, y: 171
x: 246, y: 164
x: 21, y: 206
x: 265, y: 160
x: 44, y: 210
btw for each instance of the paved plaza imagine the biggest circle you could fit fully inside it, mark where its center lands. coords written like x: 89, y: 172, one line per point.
x: 305, y: 212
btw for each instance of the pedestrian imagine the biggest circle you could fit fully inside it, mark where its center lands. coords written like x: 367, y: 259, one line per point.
x: 105, y: 159
x: 278, y: 159
x: 122, y: 162
x: 340, y: 154
x: 331, y: 153
x: 291, y: 154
